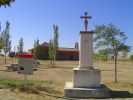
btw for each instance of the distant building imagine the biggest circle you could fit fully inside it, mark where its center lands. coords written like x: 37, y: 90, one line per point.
x: 62, y: 53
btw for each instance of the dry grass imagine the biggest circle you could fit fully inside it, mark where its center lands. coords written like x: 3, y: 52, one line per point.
x: 61, y: 73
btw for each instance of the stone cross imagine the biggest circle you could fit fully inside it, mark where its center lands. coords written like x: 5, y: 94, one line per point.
x: 85, y: 21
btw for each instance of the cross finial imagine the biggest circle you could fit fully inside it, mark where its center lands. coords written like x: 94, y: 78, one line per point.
x: 85, y: 21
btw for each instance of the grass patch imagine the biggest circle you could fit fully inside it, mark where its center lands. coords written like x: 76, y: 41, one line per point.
x: 4, y: 83
x: 33, y: 86
x: 120, y: 86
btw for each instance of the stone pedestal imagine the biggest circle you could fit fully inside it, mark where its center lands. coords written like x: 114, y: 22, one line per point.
x: 86, y: 50
x: 86, y: 78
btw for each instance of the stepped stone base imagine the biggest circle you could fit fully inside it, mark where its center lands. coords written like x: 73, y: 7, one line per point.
x: 74, y: 92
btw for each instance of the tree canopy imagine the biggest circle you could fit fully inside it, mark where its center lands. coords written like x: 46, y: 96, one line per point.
x: 6, y: 2
x: 111, y: 38
x: 5, y: 42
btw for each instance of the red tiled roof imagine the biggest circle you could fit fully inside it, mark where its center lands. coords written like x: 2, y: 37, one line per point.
x: 60, y: 48
x: 45, y: 44
x: 67, y: 49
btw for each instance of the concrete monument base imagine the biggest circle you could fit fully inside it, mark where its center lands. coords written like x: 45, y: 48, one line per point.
x: 73, y: 92
x: 86, y: 78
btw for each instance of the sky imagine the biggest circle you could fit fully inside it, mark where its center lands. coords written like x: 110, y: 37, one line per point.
x: 32, y: 19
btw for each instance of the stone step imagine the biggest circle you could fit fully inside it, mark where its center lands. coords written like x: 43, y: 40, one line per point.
x: 72, y: 92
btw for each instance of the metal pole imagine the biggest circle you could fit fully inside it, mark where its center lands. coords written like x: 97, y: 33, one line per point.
x: 25, y: 84
x: 25, y: 77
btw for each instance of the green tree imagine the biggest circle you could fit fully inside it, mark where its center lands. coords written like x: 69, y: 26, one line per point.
x: 50, y: 52
x: 131, y: 58
x: 6, y: 2
x: 1, y: 42
x: 108, y: 36
x: 6, y: 40
x: 125, y: 49
x: 96, y: 56
x: 53, y: 46
x: 10, y: 46
x: 37, y: 49
x: 104, y: 54
x: 55, y: 42
x: 20, y: 46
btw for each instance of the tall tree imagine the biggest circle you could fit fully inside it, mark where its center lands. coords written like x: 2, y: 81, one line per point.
x: 1, y: 41
x: 131, y: 58
x: 108, y: 36
x: 55, y: 41
x: 125, y: 49
x: 50, y: 52
x: 20, y: 46
x: 10, y: 46
x: 6, y: 39
x: 53, y: 46
x: 6, y: 2
x: 37, y: 49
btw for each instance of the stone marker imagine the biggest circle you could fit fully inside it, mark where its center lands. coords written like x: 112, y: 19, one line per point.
x: 86, y: 79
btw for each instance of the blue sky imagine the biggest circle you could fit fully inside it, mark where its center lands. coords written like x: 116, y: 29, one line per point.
x: 33, y: 19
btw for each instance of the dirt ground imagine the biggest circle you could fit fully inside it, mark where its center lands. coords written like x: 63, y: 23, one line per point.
x: 63, y: 72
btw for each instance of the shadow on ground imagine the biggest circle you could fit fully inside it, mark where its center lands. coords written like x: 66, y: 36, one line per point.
x: 56, y: 67
x: 6, y: 70
x: 114, y: 95
x: 63, y: 67
x: 121, y: 94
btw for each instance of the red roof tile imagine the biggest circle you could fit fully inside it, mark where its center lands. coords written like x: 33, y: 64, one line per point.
x: 45, y: 44
x: 60, y: 48
x: 67, y: 49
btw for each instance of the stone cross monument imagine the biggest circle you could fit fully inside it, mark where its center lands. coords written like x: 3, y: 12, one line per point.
x: 86, y: 79
x: 85, y: 21
x: 86, y: 46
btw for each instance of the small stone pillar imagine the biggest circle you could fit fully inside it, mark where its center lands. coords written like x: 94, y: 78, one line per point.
x: 86, y: 50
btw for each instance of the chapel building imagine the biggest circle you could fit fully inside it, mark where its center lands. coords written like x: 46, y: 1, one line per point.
x: 62, y: 53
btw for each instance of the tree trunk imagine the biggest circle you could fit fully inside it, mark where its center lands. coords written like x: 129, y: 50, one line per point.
x: 54, y: 61
x: 12, y: 60
x: 5, y: 58
x: 115, y: 67
x: 124, y: 60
